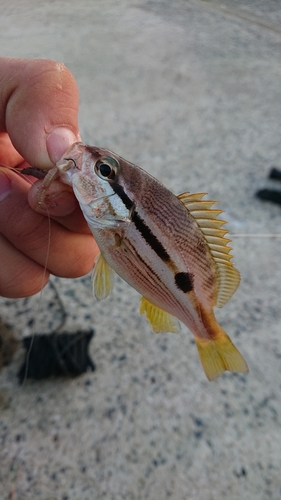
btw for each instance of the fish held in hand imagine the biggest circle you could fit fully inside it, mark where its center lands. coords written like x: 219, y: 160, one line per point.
x: 171, y: 249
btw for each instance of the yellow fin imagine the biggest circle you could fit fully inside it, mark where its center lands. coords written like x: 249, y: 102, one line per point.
x: 219, y: 355
x: 228, y: 278
x: 215, y: 231
x: 220, y: 255
x: 160, y: 320
x: 187, y: 197
x: 102, y: 278
x: 209, y: 223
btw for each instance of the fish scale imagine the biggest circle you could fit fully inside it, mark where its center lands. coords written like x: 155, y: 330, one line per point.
x: 171, y: 249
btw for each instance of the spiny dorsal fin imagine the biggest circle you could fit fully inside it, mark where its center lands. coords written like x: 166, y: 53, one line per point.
x: 160, y: 321
x: 102, y: 278
x: 188, y: 197
x: 228, y: 278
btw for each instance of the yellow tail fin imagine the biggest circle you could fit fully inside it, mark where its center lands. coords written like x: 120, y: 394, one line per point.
x: 218, y: 355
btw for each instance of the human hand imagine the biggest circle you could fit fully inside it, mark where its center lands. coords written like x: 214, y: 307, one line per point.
x: 38, y: 122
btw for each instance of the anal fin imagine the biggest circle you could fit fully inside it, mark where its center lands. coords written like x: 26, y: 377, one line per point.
x: 102, y: 278
x: 160, y: 321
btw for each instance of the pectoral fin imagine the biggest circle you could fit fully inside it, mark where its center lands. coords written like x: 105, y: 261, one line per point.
x: 102, y: 278
x: 160, y: 321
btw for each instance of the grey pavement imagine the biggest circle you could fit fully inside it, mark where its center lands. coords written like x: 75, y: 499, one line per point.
x: 191, y: 91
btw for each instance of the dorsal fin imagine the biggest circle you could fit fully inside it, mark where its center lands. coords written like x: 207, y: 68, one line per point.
x: 188, y: 197
x: 228, y: 278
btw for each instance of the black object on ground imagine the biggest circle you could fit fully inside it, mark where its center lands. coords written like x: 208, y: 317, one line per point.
x: 269, y: 195
x: 275, y: 174
x: 55, y: 355
x: 9, y: 344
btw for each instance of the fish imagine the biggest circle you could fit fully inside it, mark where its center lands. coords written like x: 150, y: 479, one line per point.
x: 171, y: 249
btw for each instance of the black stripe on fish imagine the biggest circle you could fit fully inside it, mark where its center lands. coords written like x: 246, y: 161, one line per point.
x: 147, y: 234
x: 129, y: 204
x: 150, y: 238
x: 184, y: 282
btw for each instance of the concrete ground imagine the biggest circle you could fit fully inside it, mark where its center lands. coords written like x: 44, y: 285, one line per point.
x: 191, y: 91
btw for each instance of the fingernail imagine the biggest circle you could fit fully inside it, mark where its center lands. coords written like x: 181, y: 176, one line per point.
x: 58, y: 141
x: 5, y: 186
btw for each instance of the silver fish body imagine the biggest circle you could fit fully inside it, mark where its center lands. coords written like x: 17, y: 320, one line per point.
x: 151, y: 239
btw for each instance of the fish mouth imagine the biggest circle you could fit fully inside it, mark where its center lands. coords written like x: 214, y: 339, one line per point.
x: 70, y: 158
x: 66, y: 164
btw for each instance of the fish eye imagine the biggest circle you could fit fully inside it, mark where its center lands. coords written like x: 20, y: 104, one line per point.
x: 107, y: 168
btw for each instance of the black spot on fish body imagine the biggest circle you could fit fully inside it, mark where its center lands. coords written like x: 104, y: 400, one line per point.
x: 184, y: 282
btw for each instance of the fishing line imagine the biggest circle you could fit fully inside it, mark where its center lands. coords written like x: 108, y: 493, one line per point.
x: 27, y: 179
x: 52, y: 286
x: 17, y: 171
x: 255, y: 235
x: 25, y: 173
x: 40, y: 296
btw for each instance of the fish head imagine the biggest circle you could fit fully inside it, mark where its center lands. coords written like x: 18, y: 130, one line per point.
x: 95, y: 174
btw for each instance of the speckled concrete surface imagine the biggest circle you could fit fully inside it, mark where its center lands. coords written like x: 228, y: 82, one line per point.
x: 190, y: 90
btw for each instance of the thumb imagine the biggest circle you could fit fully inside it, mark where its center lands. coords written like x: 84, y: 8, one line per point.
x: 38, y: 108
